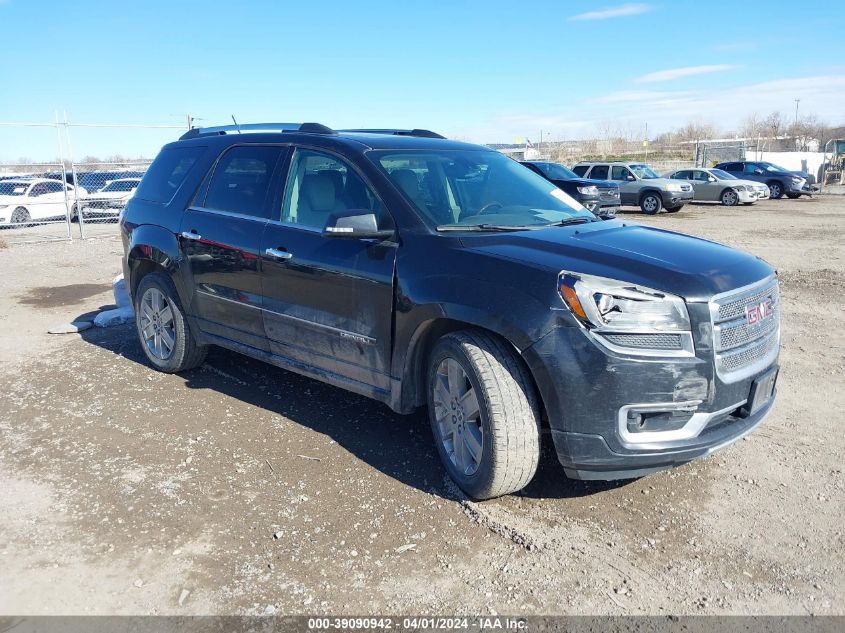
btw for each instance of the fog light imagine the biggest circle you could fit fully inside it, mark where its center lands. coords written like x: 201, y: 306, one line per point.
x: 645, y: 421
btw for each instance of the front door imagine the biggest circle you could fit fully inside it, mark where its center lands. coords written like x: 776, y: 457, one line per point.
x: 328, y: 301
x: 220, y: 237
x: 629, y: 186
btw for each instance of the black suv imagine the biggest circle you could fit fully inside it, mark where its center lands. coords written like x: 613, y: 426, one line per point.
x: 426, y: 272
x: 780, y: 180
x: 599, y: 196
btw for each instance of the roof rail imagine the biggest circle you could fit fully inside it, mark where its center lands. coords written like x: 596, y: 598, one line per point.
x: 414, y: 132
x: 306, y: 128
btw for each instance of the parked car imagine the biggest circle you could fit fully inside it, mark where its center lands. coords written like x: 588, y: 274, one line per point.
x: 779, y: 180
x: 599, y: 196
x: 639, y: 185
x: 109, y: 201
x: 95, y: 181
x: 420, y: 271
x: 715, y: 185
x: 30, y: 199
x: 57, y: 175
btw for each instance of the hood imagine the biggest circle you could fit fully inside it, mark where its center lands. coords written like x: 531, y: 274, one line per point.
x: 586, y: 182
x: 683, y: 265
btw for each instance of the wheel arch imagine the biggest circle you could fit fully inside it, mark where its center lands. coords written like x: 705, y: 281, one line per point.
x: 647, y: 190
x: 414, y: 374
x: 153, y: 249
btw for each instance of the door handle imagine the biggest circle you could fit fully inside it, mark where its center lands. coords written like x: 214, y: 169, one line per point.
x: 278, y: 254
x: 193, y: 235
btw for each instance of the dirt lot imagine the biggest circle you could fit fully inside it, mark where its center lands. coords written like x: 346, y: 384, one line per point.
x: 241, y: 488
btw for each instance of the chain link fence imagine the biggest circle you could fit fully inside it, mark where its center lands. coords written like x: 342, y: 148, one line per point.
x: 103, y: 190
x: 70, y: 196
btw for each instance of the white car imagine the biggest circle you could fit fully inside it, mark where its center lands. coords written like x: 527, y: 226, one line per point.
x: 715, y: 185
x: 25, y: 200
x: 110, y: 199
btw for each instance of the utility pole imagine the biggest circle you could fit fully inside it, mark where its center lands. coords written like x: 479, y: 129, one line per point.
x: 797, y: 101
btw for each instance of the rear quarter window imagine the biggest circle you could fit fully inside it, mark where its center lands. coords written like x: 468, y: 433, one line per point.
x: 167, y: 173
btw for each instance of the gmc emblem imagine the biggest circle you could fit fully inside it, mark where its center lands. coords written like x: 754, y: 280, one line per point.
x: 759, y: 312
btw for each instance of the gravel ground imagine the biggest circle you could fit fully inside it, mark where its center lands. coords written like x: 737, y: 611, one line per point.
x: 241, y: 488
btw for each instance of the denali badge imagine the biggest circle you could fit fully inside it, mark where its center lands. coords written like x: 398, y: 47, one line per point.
x: 759, y: 312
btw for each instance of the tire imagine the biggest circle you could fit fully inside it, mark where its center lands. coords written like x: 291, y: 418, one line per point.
x: 499, y: 441
x: 775, y: 190
x: 793, y: 196
x: 674, y: 209
x: 729, y: 198
x: 20, y: 216
x: 74, y: 214
x: 155, y: 295
x: 651, y: 203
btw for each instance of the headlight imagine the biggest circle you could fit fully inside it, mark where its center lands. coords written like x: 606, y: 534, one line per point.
x: 673, y: 187
x: 740, y: 188
x: 626, y: 317
x: 589, y: 190
x: 796, y: 179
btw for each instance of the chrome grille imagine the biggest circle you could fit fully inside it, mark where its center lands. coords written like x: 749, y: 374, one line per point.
x: 646, y: 341
x: 743, y: 348
x: 609, y: 193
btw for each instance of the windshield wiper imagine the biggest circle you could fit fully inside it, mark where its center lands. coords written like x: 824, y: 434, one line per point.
x: 485, y: 227
x: 570, y: 221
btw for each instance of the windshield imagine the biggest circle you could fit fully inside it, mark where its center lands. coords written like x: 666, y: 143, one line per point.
x: 773, y: 167
x: 722, y: 175
x: 11, y: 188
x: 556, y: 171
x: 643, y: 171
x: 477, y: 188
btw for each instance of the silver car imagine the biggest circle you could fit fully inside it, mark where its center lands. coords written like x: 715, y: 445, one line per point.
x: 715, y: 185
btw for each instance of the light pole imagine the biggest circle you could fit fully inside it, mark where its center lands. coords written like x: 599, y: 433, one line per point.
x: 797, y: 101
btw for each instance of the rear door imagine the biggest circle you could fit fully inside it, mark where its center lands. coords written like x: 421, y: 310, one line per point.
x: 328, y: 302
x: 49, y: 200
x: 220, y: 237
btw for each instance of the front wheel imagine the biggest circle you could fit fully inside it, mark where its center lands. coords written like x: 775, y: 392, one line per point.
x: 163, y: 330
x: 729, y: 198
x: 775, y: 190
x: 20, y: 216
x: 651, y: 204
x: 484, y: 414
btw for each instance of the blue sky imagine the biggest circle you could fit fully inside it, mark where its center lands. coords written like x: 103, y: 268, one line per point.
x: 481, y: 70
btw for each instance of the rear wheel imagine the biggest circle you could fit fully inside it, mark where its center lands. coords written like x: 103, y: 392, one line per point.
x: 484, y: 414
x: 20, y: 216
x: 651, y: 203
x: 729, y: 198
x: 163, y: 330
x: 775, y: 190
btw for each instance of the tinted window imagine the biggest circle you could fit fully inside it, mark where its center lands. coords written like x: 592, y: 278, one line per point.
x: 599, y: 172
x: 703, y: 176
x: 618, y: 173
x: 733, y: 167
x: 580, y: 169
x: 39, y: 190
x: 319, y: 185
x: 166, y: 174
x: 556, y: 171
x: 241, y: 180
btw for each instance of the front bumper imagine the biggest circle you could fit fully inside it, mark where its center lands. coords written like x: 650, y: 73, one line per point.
x: 588, y: 391
x: 674, y: 198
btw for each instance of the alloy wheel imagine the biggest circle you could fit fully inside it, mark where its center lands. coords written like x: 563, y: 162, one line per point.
x: 157, y: 325
x: 458, y: 416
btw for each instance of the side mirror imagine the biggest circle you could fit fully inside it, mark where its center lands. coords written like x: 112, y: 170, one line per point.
x: 759, y: 172
x: 355, y: 224
x: 630, y: 178
x: 711, y: 179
